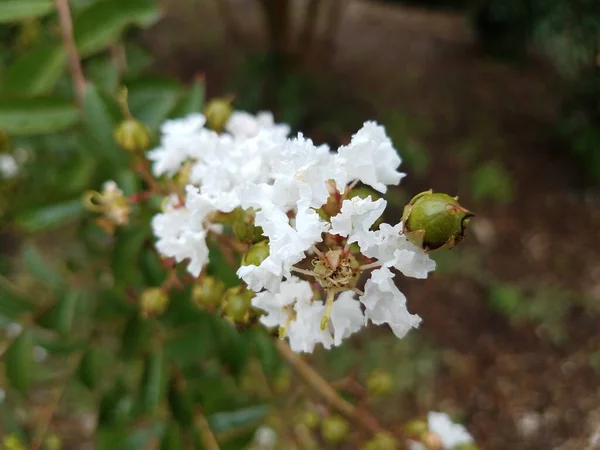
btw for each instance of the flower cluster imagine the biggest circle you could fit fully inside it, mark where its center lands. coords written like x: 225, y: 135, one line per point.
x: 304, y: 200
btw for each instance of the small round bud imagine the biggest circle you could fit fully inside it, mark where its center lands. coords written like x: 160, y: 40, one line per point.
x: 208, y: 293
x: 282, y: 381
x: 237, y: 301
x: 432, y: 441
x: 435, y: 221
x: 381, y: 441
x: 416, y: 428
x: 363, y: 192
x: 310, y: 419
x: 245, y: 230
x: 132, y: 135
x: 217, y: 114
x: 335, y: 429
x: 12, y: 442
x: 154, y: 301
x: 379, y: 382
x: 256, y: 254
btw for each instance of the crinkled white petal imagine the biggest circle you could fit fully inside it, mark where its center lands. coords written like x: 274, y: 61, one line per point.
x: 267, y: 275
x: 305, y: 332
x: 244, y: 125
x: 371, y: 158
x: 452, y: 434
x: 274, y: 304
x: 386, y: 304
x: 356, y: 217
x: 346, y: 317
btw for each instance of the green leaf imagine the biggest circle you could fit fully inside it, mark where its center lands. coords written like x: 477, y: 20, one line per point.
x: 12, y: 304
x: 116, y: 405
x: 103, y: 23
x: 91, y: 368
x: 151, y: 99
x: 192, y: 101
x: 29, y: 116
x: 18, y: 10
x: 37, y: 265
x: 190, y: 345
x: 219, y: 267
x: 128, y: 246
x: 136, y: 337
x: 226, y: 421
x: 50, y: 216
x: 232, y: 345
x: 60, y: 316
x: 18, y: 361
x: 154, y: 380
x: 37, y: 71
x: 103, y: 72
x: 172, y: 438
x: 180, y: 405
x: 101, y: 117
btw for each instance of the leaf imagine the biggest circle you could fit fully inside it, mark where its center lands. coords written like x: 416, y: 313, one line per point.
x: 18, y: 361
x: 226, y: 421
x: 219, y: 267
x: 12, y: 304
x: 39, y: 268
x: 18, y: 10
x: 60, y: 316
x: 28, y: 116
x: 102, y: 24
x: 127, y: 249
x: 154, y: 380
x: 172, y: 438
x: 191, y: 345
x: 50, y: 216
x: 232, y: 346
x: 101, y: 117
x: 91, y: 368
x: 116, y: 405
x: 151, y: 99
x: 192, y: 101
x: 37, y: 71
x: 180, y: 405
x: 136, y: 337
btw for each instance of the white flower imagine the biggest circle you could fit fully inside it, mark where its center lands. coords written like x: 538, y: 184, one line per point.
x: 371, y: 158
x: 391, y: 248
x: 346, y: 317
x: 9, y: 168
x: 13, y: 329
x: 452, y: 434
x: 265, y: 438
x: 356, y: 217
x: 243, y: 124
x: 386, y: 304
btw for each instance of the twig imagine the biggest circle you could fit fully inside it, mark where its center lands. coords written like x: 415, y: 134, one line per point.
x: 66, y: 28
x: 206, y: 435
x: 361, y: 416
x: 229, y: 22
x: 309, y: 28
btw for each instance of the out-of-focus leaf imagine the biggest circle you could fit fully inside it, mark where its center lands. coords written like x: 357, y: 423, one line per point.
x: 18, y: 361
x: 226, y: 421
x: 172, y: 437
x: 154, y: 380
x: 60, y: 316
x: 190, y: 345
x: 91, y: 368
x: 180, y: 405
x: 103, y: 72
x: 220, y: 268
x: 101, y: 116
x: 128, y: 245
x: 116, y: 405
x: 18, y: 10
x: 151, y: 99
x: 39, y: 268
x: 232, y: 348
x: 263, y: 347
x: 28, y: 116
x: 12, y: 304
x: 50, y: 216
x: 122, y: 438
x: 136, y: 337
x: 192, y: 100
x: 37, y: 71
x: 102, y: 24
x: 153, y: 271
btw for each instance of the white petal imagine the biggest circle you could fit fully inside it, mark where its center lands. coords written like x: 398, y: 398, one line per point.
x: 356, y: 217
x: 452, y: 434
x: 346, y: 316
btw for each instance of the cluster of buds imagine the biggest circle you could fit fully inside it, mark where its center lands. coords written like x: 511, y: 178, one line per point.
x: 438, y: 432
x: 111, y: 203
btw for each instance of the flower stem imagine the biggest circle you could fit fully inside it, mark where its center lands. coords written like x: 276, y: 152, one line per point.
x: 373, y: 265
x: 319, y: 384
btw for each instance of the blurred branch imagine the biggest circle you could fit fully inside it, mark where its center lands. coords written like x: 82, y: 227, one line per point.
x: 66, y: 28
x: 319, y: 384
x: 232, y: 28
x: 206, y: 435
x: 336, y: 11
x: 310, y: 24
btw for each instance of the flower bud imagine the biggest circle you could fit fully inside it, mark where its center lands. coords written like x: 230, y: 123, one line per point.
x: 256, y: 254
x: 217, y: 114
x: 237, y: 301
x: 132, y: 135
x: 282, y: 382
x: 12, y: 442
x: 154, y: 301
x: 208, y: 292
x: 310, y: 419
x: 432, y: 441
x: 381, y: 441
x: 335, y: 429
x: 379, y: 382
x: 247, y: 232
x: 435, y: 221
x: 416, y: 428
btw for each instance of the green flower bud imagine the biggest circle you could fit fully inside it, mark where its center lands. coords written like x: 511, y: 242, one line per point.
x: 416, y: 428
x: 229, y: 218
x: 208, y: 293
x: 310, y: 419
x: 256, y: 254
x: 132, y: 135
x: 12, y: 442
x: 435, y: 221
x: 246, y: 231
x: 335, y: 429
x: 154, y: 301
x: 381, y: 441
x: 363, y: 192
x: 283, y: 381
x: 379, y: 382
x: 217, y: 114
x: 237, y: 301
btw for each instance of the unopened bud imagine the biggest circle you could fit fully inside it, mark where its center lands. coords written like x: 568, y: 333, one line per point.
x: 154, y: 301
x: 208, y: 293
x: 132, y: 135
x: 237, y: 301
x: 435, y: 221
x: 256, y: 254
x: 217, y: 114
x: 245, y: 230
x: 432, y: 441
x: 335, y: 429
x: 310, y: 419
x: 282, y: 381
x: 416, y: 428
x: 379, y: 382
x: 381, y: 441
x: 12, y: 442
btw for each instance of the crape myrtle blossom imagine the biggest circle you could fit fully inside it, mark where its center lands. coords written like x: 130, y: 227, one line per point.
x: 286, y: 183
x: 448, y: 434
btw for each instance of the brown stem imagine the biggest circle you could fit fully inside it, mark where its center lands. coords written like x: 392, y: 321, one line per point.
x: 309, y: 27
x: 319, y: 384
x: 231, y: 26
x: 66, y: 28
